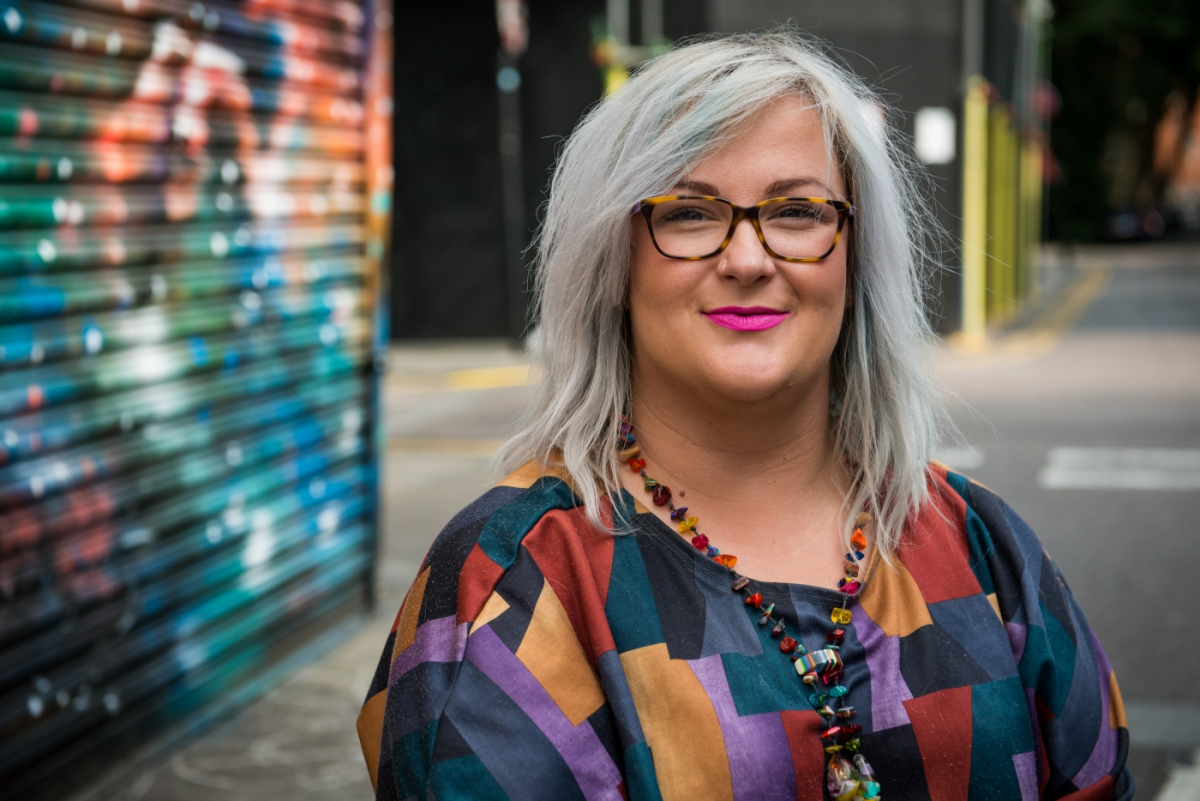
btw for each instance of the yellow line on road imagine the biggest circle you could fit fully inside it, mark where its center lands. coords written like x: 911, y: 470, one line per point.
x: 515, y: 375
x: 1048, y: 327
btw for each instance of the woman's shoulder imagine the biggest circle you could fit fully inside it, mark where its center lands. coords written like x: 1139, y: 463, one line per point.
x: 482, y: 542
x: 966, y: 541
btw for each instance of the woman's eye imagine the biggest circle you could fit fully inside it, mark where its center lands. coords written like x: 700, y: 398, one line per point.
x: 685, y: 215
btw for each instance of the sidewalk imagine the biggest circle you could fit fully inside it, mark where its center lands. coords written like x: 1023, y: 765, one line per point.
x: 447, y: 408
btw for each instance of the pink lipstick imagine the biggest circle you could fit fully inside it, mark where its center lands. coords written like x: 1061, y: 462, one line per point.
x: 746, y: 318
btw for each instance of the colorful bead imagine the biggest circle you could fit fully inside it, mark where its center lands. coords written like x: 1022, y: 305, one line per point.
x: 688, y: 523
x: 853, y: 744
x: 740, y: 583
x: 677, y: 514
x: 838, y: 691
x: 835, y: 636
x: 700, y: 542
x: 825, y: 660
x: 636, y: 464
x: 858, y: 540
x: 727, y: 559
x: 817, y: 699
x: 862, y: 519
x: 826, y: 711
x: 629, y: 453
x: 787, y: 644
x: 846, y: 712
x: 851, y: 728
x: 833, y: 749
x: 841, y: 616
x: 851, y: 570
x: 778, y: 630
x: 662, y: 494
x: 831, y: 732
x: 848, y: 587
x: 809, y: 678
x: 754, y: 599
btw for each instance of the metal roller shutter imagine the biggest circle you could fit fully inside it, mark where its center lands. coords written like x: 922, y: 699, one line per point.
x: 193, y: 202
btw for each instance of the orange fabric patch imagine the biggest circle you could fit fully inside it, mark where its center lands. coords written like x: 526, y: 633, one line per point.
x: 1116, y: 704
x: 406, y: 622
x: 370, y: 732
x: 893, y: 600
x: 554, y: 656
x: 680, y: 724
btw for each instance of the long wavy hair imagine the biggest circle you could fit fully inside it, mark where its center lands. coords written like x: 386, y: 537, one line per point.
x: 676, y: 110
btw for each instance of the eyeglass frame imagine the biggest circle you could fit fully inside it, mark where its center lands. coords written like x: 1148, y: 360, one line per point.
x: 844, y: 209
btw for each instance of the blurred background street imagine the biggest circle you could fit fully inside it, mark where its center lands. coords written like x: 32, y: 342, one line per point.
x: 264, y: 299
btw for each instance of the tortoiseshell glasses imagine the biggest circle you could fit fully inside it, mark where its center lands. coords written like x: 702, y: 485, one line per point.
x: 790, y: 228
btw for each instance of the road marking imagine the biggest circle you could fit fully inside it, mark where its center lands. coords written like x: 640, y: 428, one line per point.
x: 443, y: 446
x: 515, y: 375
x: 1048, y: 327
x: 1121, y: 468
x: 1174, y: 726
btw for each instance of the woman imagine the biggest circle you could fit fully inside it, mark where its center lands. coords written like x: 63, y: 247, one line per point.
x: 734, y: 363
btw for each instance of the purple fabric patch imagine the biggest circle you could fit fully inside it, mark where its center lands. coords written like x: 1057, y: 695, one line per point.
x: 1104, y: 754
x: 1016, y: 637
x: 888, y: 690
x: 581, y: 749
x: 1026, y: 767
x: 437, y: 640
x: 756, y: 745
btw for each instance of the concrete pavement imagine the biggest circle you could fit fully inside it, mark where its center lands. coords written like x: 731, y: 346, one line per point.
x: 1113, y: 364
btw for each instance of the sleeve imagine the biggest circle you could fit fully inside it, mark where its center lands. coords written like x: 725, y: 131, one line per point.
x: 483, y: 690
x: 1075, y: 706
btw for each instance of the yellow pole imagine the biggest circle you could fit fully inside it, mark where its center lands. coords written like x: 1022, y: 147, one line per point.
x: 974, y: 211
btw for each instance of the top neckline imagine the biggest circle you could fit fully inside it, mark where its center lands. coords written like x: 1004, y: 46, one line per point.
x: 651, y: 523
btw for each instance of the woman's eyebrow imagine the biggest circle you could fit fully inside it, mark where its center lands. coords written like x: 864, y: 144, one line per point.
x: 698, y: 187
x: 784, y: 187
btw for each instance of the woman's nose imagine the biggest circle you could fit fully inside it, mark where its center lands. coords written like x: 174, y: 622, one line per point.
x: 745, y: 258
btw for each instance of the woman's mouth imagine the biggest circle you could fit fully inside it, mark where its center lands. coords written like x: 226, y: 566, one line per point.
x: 746, y: 318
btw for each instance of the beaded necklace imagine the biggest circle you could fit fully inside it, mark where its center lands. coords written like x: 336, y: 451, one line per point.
x: 848, y: 776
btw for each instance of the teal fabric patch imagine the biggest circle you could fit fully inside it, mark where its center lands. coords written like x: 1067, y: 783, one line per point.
x: 979, y: 540
x: 630, y: 608
x: 411, y: 758
x: 464, y: 779
x: 1048, y: 662
x: 509, y: 524
x: 1000, y: 729
x: 641, y: 783
x: 763, y: 682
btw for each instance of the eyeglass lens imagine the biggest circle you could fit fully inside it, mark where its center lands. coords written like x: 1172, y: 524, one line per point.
x: 795, y: 229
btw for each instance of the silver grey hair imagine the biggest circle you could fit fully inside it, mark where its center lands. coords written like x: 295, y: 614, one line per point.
x: 639, y: 142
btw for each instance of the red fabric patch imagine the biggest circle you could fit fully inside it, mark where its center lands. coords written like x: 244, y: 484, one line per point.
x: 1044, y: 716
x: 934, y: 546
x: 1100, y: 791
x: 576, y: 559
x: 803, y: 730
x: 941, y: 722
x: 475, y: 584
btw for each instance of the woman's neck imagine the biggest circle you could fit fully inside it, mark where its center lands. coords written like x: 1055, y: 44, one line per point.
x: 762, y: 477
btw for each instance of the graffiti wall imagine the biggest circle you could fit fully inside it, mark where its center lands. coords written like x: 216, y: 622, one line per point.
x: 191, y: 220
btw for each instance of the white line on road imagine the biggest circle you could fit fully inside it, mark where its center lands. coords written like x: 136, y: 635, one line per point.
x: 961, y: 458
x: 1121, y: 468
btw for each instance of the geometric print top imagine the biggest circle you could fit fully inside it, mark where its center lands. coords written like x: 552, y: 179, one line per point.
x: 537, y: 657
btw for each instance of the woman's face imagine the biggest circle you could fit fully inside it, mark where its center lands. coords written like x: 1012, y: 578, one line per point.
x: 677, y: 307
